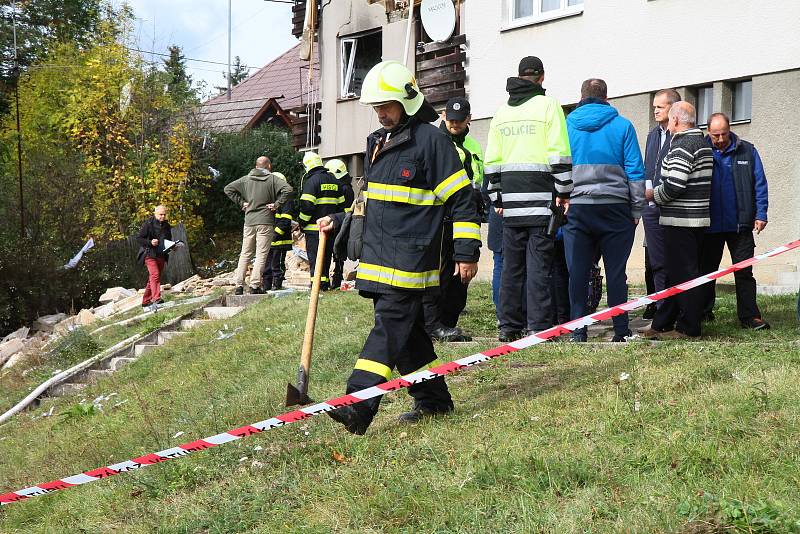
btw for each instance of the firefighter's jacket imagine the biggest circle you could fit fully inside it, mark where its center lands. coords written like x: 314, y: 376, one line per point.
x: 528, y: 160
x: 283, y: 226
x: 346, y: 185
x: 412, y: 179
x: 322, y: 195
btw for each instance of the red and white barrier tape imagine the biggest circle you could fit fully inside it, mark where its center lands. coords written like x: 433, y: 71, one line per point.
x: 376, y: 391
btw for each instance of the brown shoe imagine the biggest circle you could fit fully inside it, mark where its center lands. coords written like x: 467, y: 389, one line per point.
x: 672, y: 334
x: 649, y: 333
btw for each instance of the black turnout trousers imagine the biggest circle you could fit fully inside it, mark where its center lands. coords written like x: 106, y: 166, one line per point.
x: 312, y: 243
x: 398, y: 341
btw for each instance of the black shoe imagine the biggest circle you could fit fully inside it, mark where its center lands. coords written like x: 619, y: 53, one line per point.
x: 257, y: 291
x: 351, y: 419
x: 621, y: 339
x: 507, y: 336
x: 451, y: 335
x: 238, y: 291
x: 756, y: 323
x: 277, y: 286
x: 159, y: 301
x: 708, y: 317
x: 579, y: 337
x: 650, y: 311
x: 418, y: 414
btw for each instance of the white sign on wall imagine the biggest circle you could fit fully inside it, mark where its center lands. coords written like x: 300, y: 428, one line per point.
x: 438, y: 18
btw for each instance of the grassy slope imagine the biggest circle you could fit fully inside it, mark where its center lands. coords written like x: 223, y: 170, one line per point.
x: 547, y: 440
x: 16, y: 383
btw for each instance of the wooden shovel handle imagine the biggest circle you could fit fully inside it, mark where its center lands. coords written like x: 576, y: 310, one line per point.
x: 311, y: 318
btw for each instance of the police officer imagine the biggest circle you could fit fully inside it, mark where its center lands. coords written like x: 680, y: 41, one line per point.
x: 339, y: 170
x: 529, y: 168
x: 275, y: 268
x: 442, y: 311
x: 321, y: 196
x: 413, y: 176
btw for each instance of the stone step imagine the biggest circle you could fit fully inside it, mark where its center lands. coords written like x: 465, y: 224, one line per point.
x: 141, y: 348
x: 69, y: 388
x: 777, y: 290
x: 789, y: 279
x: 118, y: 363
x: 244, y: 300
x: 188, y: 324
x: 163, y: 337
x: 220, y: 312
x: 93, y: 375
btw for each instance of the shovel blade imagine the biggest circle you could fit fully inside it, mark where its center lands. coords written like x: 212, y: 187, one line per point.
x: 295, y: 397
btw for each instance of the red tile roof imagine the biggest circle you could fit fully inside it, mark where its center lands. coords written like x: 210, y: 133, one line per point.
x: 285, y: 79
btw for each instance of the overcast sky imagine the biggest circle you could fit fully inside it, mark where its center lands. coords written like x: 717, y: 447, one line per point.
x: 261, y: 32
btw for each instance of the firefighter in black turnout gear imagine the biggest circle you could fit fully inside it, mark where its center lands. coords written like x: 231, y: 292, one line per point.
x: 339, y: 170
x: 413, y: 176
x: 275, y: 267
x: 321, y: 196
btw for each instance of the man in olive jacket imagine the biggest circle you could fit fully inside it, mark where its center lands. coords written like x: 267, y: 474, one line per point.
x: 259, y: 195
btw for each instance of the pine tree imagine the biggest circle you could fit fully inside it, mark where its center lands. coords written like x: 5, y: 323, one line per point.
x: 179, y: 83
x: 239, y: 73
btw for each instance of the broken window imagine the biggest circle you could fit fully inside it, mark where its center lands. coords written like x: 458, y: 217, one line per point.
x: 358, y: 55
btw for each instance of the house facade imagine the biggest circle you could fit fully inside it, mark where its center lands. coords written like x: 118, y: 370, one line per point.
x: 735, y: 56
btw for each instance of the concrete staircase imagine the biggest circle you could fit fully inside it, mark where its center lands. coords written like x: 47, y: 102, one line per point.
x: 223, y: 308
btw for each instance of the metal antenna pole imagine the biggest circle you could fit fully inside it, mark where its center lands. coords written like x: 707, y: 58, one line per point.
x: 229, y: 49
x: 19, y: 130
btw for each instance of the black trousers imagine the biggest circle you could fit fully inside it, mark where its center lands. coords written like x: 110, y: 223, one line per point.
x: 444, y: 309
x: 741, y: 246
x: 527, y: 251
x: 684, y: 311
x: 656, y: 248
x: 275, y: 269
x: 312, y: 243
x: 648, y: 274
x: 398, y: 340
x: 559, y: 284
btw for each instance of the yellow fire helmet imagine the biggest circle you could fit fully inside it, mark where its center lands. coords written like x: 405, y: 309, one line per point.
x: 280, y: 175
x: 337, y: 168
x: 311, y: 160
x: 392, y: 81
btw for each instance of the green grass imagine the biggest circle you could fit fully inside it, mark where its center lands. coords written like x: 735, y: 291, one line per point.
x: 703, y: 436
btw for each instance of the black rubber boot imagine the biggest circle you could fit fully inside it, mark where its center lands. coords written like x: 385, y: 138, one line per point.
x: 352, y: 420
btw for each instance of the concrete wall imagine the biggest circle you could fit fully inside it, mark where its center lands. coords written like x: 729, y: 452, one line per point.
x: 703, y: 41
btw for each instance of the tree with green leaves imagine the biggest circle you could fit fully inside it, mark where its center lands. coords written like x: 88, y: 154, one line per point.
x: 178, y: 81
x: 239, y: 73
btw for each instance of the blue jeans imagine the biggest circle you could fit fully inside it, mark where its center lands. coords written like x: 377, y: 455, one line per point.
x: 498, y: 268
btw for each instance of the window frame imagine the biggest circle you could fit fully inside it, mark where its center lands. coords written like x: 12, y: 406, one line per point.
x: 733, y: 86
x: 703, y: 122
x: 538, y: 16
x: 347, y: 71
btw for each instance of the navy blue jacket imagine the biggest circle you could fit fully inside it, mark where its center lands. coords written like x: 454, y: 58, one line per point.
x: 653, y: 158
x: 739, y: 192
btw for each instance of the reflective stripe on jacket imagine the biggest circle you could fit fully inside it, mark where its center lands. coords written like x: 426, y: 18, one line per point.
x: 283, y: 227
x: 528, y: 160
x: 411, y: 180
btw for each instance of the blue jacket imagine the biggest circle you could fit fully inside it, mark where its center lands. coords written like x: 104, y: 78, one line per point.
x: 739, y: 192
x: 607, y: 165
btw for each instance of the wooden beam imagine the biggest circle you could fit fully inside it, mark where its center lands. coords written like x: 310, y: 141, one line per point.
x: 453, y: 42
x: 451, y: 59
x: 439, y: 79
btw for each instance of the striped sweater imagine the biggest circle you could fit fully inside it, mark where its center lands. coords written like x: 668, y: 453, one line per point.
x: 685, y: 192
